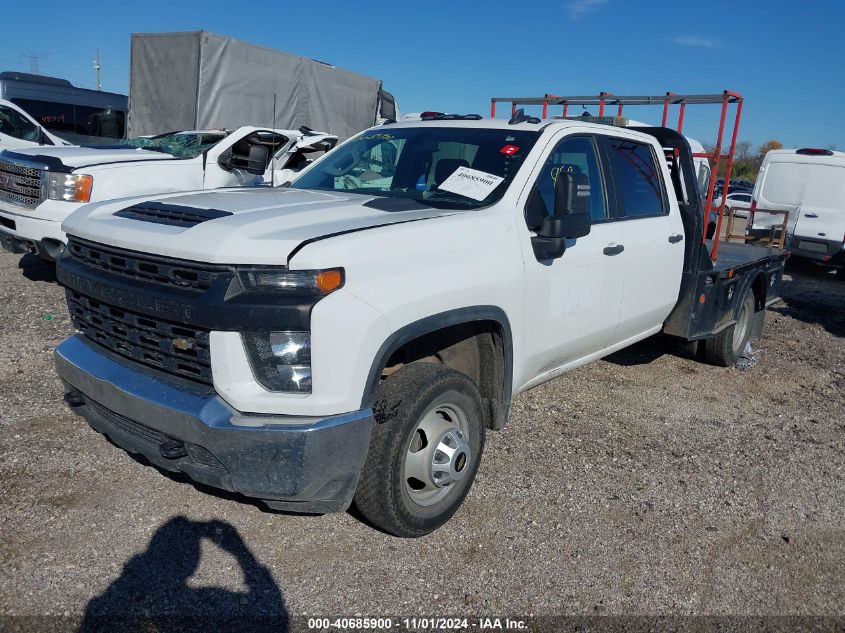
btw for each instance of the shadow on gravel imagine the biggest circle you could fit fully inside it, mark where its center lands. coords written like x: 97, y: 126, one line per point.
x: 641, y: 353
x: 152, y: 593
x: 814, y: 295
x: 36, y: 269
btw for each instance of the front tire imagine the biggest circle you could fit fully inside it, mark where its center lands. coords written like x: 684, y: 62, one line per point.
x: 727, y: 346
x: 425, y: 450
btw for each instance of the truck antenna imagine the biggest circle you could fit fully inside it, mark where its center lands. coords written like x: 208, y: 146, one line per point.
x: 273, y: 145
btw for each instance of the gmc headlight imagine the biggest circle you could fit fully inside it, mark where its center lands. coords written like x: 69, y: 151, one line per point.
x: 280, y: 280
x: 281, y: 361
x: 69, y: 187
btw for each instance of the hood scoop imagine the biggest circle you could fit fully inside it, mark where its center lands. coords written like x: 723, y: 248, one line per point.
x: 170, y: 214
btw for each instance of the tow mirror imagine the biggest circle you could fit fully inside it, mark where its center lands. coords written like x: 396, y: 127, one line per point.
x: 254, y: 163
x: 257, y: 160
x: 571, y: 218
x: 226, y: 161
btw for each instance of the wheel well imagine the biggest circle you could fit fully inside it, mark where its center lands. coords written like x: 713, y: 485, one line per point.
x: 760, y: 288
x: 476, y: 349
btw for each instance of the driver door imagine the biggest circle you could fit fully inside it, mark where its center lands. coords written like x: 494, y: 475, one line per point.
x: 572, y: 303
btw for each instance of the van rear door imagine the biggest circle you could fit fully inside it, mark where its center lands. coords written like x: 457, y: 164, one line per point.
x: 820, y: 216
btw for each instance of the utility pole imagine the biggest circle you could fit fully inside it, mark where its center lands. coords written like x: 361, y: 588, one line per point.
x: 97, y: 68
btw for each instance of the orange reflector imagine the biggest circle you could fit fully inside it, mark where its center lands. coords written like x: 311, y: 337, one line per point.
x: 730, y: 274
x: 702, y: 298
x: 84, y: 184
x: 329, y: 280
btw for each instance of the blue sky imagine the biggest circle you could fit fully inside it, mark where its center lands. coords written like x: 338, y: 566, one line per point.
x: 786, y: 58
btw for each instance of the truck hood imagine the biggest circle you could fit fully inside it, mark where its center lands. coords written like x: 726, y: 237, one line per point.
x: 74, y: 157
x: 252, y: 226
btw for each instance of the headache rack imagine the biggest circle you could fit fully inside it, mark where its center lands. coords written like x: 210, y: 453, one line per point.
x: 605, y: 101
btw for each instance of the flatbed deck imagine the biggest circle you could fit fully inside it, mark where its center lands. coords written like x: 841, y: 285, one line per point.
x: 733, y: 255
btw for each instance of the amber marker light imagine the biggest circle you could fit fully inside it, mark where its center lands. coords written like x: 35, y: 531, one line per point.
x: 84, y: 184
x: 329, y: 280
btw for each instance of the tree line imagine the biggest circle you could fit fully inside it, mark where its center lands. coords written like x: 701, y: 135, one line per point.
x: 747, y: 161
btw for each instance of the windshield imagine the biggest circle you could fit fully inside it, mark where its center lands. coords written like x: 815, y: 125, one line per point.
x: 444, y: 167
x: 178, y: 144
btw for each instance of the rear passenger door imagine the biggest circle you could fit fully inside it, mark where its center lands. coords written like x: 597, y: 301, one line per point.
x: 652, y: 233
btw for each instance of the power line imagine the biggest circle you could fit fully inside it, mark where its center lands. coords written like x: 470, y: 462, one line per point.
x: 34, y: 59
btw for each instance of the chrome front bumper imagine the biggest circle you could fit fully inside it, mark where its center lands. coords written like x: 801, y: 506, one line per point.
x: 298, y: 464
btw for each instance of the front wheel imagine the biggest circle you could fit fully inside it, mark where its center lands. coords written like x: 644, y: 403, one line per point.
x: 424, y: 452
x: 727, y: 346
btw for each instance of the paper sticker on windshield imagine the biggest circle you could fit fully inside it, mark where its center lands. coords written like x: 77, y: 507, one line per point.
x: 509, y: 150
x: 471, y: 183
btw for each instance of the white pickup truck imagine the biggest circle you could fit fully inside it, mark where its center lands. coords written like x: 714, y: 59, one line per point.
x: 41, y: 186
x: 355, y: 335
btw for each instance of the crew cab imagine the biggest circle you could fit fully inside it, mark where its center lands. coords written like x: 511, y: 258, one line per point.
x: 354, y: 336
x: 41, y: 186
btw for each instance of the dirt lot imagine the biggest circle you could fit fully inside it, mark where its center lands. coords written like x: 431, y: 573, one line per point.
x: 643, y: 484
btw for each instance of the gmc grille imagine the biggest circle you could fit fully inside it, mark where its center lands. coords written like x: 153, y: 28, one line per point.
x: 161, y: 270
x: 20, y: 184
x: 170, y: 347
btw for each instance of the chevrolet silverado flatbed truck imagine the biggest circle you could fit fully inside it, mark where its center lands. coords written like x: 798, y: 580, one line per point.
x: 352, y: 337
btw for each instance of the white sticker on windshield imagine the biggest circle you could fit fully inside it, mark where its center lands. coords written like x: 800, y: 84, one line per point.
x: 470, y: 183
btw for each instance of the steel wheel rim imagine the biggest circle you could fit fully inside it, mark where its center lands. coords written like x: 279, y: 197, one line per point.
x: 741, y: 327
x: 438, y: 456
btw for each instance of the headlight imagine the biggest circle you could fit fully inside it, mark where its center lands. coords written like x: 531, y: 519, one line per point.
x: 277, y: 280
x: 69, y: 187
x: 281, y: 361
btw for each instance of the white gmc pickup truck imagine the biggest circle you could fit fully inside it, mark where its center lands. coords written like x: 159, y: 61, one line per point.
x: 41, y: 186
x: 353, y: 337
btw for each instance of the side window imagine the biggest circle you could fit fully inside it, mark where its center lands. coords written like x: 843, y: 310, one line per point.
x: 574, y: 154
x: 13, y: 124
x: 636, y: 179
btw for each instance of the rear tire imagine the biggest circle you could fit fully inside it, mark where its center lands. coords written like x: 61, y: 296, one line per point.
x: 726, y: 347
x: 425, y: 450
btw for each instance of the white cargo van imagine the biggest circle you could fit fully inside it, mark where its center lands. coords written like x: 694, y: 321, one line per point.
x: 810, y: 184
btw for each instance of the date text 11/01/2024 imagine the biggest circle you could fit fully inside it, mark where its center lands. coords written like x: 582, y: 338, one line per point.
x: 416, y: 623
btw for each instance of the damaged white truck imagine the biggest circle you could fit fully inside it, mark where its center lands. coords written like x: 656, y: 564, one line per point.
x: 41, y: 186
x: 352, y: 338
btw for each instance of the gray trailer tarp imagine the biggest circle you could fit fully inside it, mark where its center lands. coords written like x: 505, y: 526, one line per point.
x: 198, y: 80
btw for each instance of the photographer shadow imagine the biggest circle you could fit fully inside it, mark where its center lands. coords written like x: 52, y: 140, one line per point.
x: 152, y: 593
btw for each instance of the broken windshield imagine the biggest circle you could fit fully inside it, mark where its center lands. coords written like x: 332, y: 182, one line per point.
x: 178, y: 144
x: 445, y: 167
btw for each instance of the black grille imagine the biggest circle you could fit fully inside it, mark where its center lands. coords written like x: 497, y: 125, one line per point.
x: 177, y: 349
x: 162, y: 270
x: 171, y: 214
x: 152, y: 438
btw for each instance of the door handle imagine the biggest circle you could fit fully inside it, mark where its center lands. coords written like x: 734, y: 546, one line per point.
x: 613, y: 250
x: 674, y: 239
x: 810, y: 215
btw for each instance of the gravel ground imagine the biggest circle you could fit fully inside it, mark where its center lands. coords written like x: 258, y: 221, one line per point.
x: 644, y: 484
